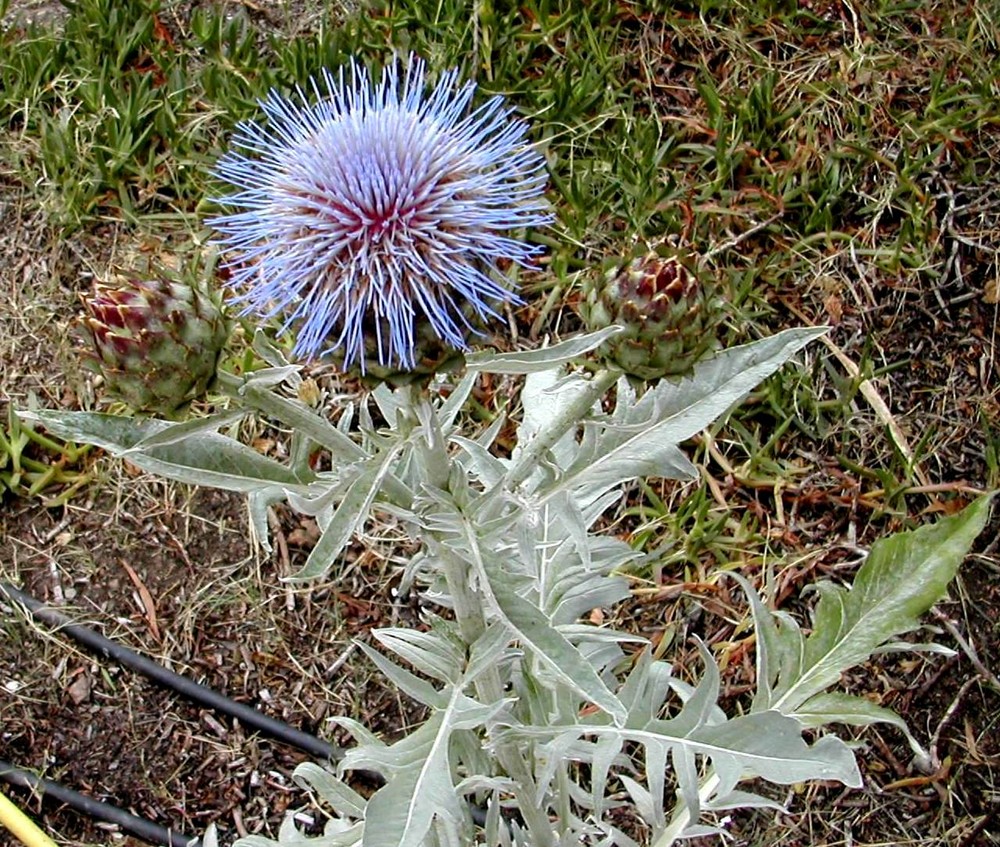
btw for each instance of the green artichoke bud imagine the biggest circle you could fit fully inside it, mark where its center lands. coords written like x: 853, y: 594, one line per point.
x: 157, y: 342
x: 670, y: 317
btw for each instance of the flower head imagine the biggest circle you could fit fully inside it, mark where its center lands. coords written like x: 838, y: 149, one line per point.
x: 670, y: 315
x: 157, y: 342
x: 378, y: 207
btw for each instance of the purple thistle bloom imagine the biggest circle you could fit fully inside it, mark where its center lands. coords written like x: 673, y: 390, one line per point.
x: 376, y: 207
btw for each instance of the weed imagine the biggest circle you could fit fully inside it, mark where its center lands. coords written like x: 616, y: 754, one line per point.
x: 36, y: 465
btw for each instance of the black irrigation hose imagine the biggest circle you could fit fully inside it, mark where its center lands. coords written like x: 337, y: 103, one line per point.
x: 250, y: 717
x: 139, y: 827
x: 202, y: 694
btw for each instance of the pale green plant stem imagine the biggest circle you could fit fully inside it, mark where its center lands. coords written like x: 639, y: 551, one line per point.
x: 469, y: 608
x: 568, y: 418
x: 682, y: 818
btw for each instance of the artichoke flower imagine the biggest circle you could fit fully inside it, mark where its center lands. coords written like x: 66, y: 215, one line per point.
x: 380, y: 217
x: 157, y: 342
x: 669, y: 315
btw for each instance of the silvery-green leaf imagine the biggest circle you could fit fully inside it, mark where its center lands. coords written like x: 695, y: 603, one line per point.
x: 601, y: 647
x: 477, y: 782
x: 770, y: 745
x: 429, y: 652
x: 258, y: 503
x: 643, y: 440
x: 206, y: 458
x: 487, y: 651
x: 446, y: 832
x: 687, y: 692
x: 496, y: 830
x: 839, y: 707
x: 741, y: 800
x: 211, y: 837
x: 489, y: 435
x: 702, y: 830
x: 902, y: 577
x: 262, y: 378
x: 335, y: 792
x: 482, y: 464
x: 359, y: 732
x: 306, y: 421
x: 543, y: 358
x: 580, y: 589
x: 551, y: 648
x: 176, y: 432
x: 550, y: 757
x: 469, y: 748
x: 646, y: 688
x: 689, y: 405
x: 411, y: 684
x: 270, y: 352
x: 607, y: 751
x: 546, y: 395
x: 420, y: 787
x: 915, y: 647
x: 345, y: 832
x: 387, y: 401
x: 336, y: 833
x: 614, y: 837
x: 701, y: 702
x: 641, y: 798
x: 327, y: 491
x: 593, y: 508
x: 585, y: 632
x: 570, y: 568
x: 455, y: 401
x: 763, y: 744
x: 351, y: 513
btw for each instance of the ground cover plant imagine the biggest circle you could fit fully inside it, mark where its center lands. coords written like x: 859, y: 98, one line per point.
x: 815, y: 164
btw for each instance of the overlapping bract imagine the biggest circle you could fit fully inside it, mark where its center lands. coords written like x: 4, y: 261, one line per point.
x: 377, y: 208
x: 670, y: 316
x: 157, y: 341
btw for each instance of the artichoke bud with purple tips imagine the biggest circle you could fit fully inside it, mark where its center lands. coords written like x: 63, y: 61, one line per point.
x: 157, y: 342
x: 670, y: 316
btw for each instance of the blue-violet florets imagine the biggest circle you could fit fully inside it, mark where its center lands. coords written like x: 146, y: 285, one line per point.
x: 378, y: 206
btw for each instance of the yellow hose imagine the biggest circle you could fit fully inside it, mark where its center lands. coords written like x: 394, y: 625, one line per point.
x: 21, y: 826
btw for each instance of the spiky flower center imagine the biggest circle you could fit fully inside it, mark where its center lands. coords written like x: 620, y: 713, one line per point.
x: 377, y: 207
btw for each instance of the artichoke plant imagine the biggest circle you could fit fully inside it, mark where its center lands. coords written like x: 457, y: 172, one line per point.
x: 670, y: 316
x: 157, y: 342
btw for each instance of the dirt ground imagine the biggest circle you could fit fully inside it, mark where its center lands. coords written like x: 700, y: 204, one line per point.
x: 168, y: 571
